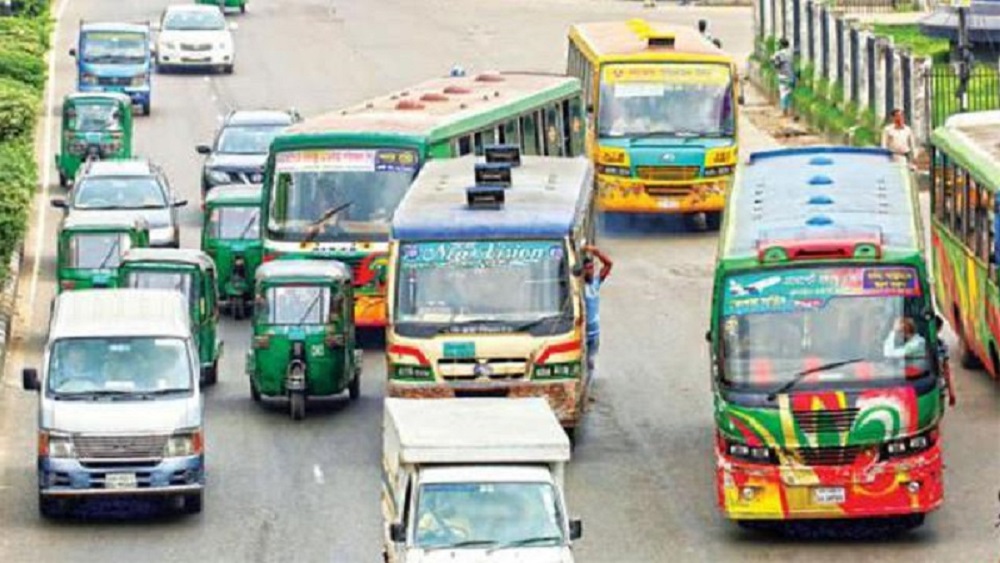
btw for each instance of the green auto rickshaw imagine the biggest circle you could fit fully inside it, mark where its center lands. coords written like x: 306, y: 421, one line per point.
x: 303, y: 333
x: 231, y: 236
x: 94, y: 125
x: 223, y: 4
x: 191, y: 272
x: 90, y: 248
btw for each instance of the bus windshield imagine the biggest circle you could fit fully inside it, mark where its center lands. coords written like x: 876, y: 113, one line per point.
x: 467, y: 282
x: 839, y: 324
x: 113, y: 47
x: 338, y: 195
x: 669, y: 99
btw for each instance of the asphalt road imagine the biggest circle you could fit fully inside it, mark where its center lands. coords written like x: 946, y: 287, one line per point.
x: 308, y: 491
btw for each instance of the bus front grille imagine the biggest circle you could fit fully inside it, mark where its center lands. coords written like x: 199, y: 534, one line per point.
x: 468, y: 369
x: 826, y: 420
x: 837, y: 455
x: 668, y: 173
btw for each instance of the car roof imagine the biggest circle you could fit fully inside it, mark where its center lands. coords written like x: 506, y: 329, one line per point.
x: 120, y: 312
x: 234, y: 192
x: 190, y: 256
x: 259, y: 117
x: 133, y: 167
x: 304, y: 268
x: 108, y: 96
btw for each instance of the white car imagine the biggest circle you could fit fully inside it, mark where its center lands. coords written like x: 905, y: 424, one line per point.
x: 193, y: 35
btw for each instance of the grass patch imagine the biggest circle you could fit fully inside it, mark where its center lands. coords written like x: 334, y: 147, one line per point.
x: 909, y: 37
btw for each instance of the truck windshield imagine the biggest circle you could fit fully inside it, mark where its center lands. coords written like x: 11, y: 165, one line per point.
x: 131, y: 367
x: 162, y: 279
x: 502, y: 280
x: 338, y: 195
x: 669, y: 99
x: 823, y: 325
x: 113, y: 47
x: 91, y: 251
x: 485, y: 515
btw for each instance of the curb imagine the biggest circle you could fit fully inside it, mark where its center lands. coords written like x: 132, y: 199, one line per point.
x: 8, y: 303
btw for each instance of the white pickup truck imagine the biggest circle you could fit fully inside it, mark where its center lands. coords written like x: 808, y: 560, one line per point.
x: 475, y: 480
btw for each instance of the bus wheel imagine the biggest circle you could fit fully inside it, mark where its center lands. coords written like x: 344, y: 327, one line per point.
x: 966, y: 357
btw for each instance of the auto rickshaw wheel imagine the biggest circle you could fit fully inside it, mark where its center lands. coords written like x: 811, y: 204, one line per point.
x: 254, y: 392
x: 239, y: 306
x: 193, y: 502
x: 210, y: 375
x: 354, y: 388
x: 146, y: 108
x: 243, y: 8
x: 297, y: 405
x: 63, y: 180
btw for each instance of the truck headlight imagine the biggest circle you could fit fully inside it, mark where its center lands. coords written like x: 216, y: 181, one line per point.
x: 87, y: 78
x: 183, y: 445
x: 56, y: 445
x: 168, y: 46
x: 217, y: 177
x: 139, y: 80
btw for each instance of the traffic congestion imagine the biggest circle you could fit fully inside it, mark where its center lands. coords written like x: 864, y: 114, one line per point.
x: 436, y: 314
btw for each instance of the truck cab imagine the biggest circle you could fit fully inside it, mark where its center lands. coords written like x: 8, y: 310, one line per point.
x: 472, y: 477
x: 115, y: 57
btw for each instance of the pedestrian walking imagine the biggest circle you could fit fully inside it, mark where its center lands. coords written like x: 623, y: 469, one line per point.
x: 898, y: 138
x: 784, y: 63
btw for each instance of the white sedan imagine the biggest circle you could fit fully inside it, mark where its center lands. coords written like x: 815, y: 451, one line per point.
x: 194, y: 35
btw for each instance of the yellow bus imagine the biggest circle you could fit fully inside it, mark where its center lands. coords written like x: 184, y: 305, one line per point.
x: 662, y: 103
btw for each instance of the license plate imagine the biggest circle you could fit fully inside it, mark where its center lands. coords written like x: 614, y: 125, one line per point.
x: 829, y: 495
x: 668, y: 204
x: 120, y: 481
x: 195, y: 59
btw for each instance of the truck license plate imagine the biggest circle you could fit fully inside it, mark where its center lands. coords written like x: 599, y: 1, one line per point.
x: 120, y: 481
x: 829, y: 495
x: 668, y: 204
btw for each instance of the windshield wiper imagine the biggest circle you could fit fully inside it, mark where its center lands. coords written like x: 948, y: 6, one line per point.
x: 539, y: 321
x: 465, y: 543
x: 112, y: 250
x: 523, y: 542
x: 666, y: 133
x: 309, y: 310
x: 806, y: 372
x: 102, y: 393
x: 169, y: 391
x: 449, y: 328
x: 246, y: 228
x: 326, y: 216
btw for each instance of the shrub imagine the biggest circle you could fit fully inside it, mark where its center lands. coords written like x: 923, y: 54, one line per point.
x: 18, y: 109
x: 18, y: 176
x: 24, y: 67
x: 30, y: 36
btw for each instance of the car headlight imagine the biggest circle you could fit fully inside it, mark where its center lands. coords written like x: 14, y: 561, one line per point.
x: 907, y: 446
x: 217, y: 177
x: 183, y: 445
x: 56, y: 445
x: 168, y: 46
x: 87, y: 78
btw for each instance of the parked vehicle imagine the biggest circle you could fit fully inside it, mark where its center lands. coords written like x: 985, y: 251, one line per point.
x: 90, y: 248
x: 231, y: 236
x: 115, y: 57
x: 95, y: 125
x: 195, y: 36
x: 192, y: 273
x: 466, y: 478
x: 239, y: 152
x: 303, y: 333
x: 107, y: 188
x: 120, y: 412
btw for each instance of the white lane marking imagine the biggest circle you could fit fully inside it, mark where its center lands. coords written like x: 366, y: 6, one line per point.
x: 46, y: 164
x: 318, y: 474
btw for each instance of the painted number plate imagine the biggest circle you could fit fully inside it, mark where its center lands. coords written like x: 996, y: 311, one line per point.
x: 829, y: 495
x: 668, y: 204
x: 120, y: 481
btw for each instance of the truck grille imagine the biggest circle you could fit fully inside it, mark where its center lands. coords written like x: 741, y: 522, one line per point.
x: 840, y: 455
x: 668, y: 173
x: 826, y: 420
x: 120, y: 447
x: 114, y: 80
x: 196, y: 47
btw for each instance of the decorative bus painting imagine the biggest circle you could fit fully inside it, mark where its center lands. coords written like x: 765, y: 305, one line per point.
x: 333, y: 182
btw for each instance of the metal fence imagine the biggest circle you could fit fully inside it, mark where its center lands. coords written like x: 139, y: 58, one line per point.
x: 982, y: 93
x: 875, y: 6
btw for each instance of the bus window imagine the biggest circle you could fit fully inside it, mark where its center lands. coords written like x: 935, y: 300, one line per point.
x: 464, y: 146
x: 553, y: 132
x: 509, y: 133
x: 529, y: 135
x: 971, y: 201
x: 947, y: 191
x: 572, y: 127
x: 483, y: 138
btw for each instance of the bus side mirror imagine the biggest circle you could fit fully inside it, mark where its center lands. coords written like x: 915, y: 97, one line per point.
x: 29, y: 379
x: 741, y: 100
x: 397, y: 532
x: 575, y: 529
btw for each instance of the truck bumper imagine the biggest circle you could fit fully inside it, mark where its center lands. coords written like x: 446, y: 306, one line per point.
x: 910, y: 485
x: 70, y: 477
x: 565, y: 396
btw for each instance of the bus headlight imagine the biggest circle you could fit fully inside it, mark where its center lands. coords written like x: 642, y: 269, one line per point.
x: 620, y: 171
x: 562, y: 370
x: 907, y: 446
x: 412, y: 372
x: 747, y: 452
x: 87, y: 78
x: 714, y: 171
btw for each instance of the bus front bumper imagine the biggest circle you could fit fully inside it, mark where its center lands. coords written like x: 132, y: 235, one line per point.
x: 564, y: 396
x: 904, y: 486
x: 633, y: 195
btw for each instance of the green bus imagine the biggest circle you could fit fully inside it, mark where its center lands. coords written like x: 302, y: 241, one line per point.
x: 964, y: 191
x: 827, y: 377
x: 332, y: 182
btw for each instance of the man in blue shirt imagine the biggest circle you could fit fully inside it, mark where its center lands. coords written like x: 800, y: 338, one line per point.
x: 591, y: 296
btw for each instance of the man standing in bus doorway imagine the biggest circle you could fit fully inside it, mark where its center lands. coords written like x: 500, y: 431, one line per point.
x: 591, y: 295
x: 784, y: 64
x: 898, y: 138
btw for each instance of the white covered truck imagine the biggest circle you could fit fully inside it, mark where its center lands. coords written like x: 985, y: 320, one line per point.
x: 475, y: 479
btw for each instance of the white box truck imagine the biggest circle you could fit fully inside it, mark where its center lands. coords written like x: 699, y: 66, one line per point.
x: 475, y: 479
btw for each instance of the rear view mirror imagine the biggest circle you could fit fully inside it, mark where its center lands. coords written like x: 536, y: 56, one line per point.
x: 575, y: 529
x: 203, y: 149
x: 58, y: 203
x: 180, y: 202
x: 29, y: 379
x: 397, y: 532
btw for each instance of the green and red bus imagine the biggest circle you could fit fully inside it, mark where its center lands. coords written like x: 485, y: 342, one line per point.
x: 827, y: 377
x: 332, y: 182
x: 964, y: 184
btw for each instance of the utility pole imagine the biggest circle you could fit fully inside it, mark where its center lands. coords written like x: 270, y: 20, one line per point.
x: 965, y: 57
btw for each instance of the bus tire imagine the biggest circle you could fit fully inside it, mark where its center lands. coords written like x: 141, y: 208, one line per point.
x: 994, y: 361
x: 966, y: 357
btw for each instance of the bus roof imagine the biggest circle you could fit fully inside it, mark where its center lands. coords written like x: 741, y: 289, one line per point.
x: 547, y: 196
x: 824, y: 195
x: 631, y: 40
x: 973, y: 139
x: 432, y: 107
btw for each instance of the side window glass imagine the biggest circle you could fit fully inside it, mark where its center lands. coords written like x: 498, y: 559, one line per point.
x: 529, y: 135
x: 970, y: 221
x: 948, y: 191
x: 936, y: 170
x: 464, y: 146
x: 553, y: 131
x: 511, y: 135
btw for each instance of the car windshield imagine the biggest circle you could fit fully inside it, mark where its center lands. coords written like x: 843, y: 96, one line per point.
x: 444, y: 282
x: 338, y: 195
x: 161, y: 279
x: 247, y: 139
x: 113, y: 47
x: 487, y: 515
x: 823, y: 325
x: 235, y: 223
x: 119, y: 192
x: 297, y: 305
x: 194, y: 20
x: 87, y: 117
x: 122, y: 367
x: 91, y: 251
x: 669, y: 99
